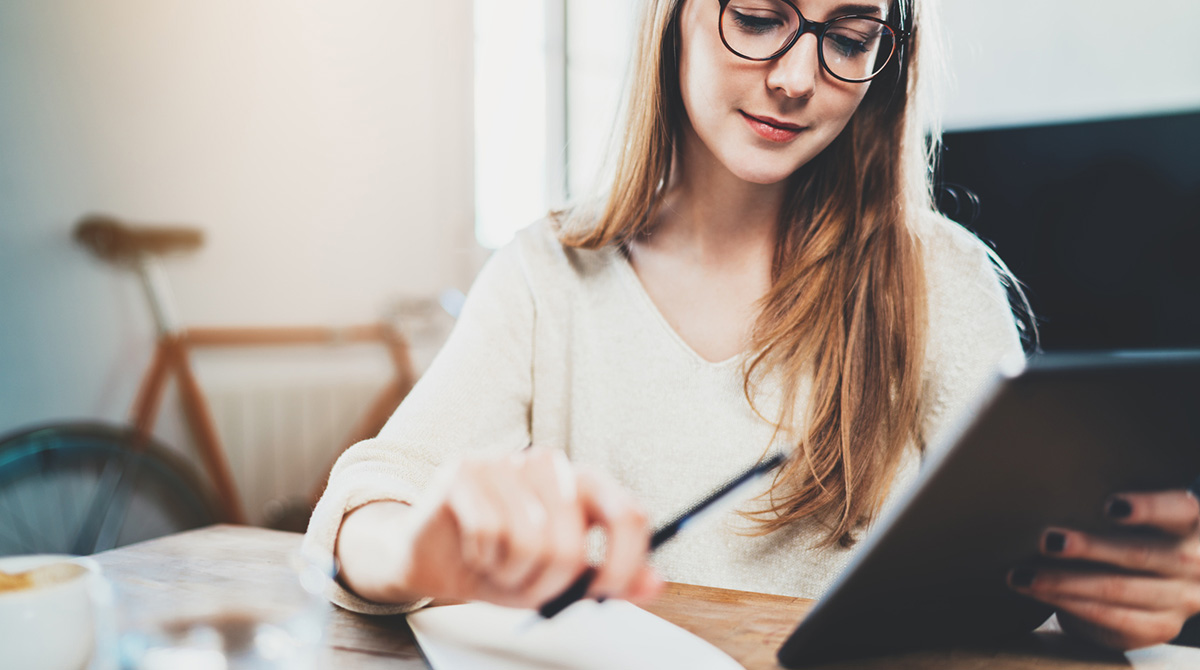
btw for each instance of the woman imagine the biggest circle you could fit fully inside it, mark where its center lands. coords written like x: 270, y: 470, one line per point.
x: 765, y: 273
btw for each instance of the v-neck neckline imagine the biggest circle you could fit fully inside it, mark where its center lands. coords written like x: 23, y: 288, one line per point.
x: 625, y: 269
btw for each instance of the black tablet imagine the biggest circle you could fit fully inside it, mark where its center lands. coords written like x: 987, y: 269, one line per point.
x: 1045, y: 447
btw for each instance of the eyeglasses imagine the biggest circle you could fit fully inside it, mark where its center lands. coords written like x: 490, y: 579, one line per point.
x: 851, y: 48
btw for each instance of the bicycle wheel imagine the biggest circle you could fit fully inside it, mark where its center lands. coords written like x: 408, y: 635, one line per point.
x: 80, y: 488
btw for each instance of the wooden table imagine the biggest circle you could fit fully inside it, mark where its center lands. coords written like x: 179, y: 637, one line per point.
x: 748, y: 626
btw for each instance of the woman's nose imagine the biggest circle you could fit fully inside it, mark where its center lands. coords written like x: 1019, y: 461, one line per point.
x: 795, y: 72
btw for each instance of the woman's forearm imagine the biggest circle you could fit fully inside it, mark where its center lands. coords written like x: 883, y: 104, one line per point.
x: 368, y: 551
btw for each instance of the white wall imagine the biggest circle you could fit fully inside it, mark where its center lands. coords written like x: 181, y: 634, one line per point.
x: 324, y: 147
x: 1032, y: 61
x: 599, y: 47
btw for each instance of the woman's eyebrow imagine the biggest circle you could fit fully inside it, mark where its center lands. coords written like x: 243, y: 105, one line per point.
x: 843, y: 10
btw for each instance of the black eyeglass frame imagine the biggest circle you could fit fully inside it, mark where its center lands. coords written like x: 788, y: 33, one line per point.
x: 819, y: 28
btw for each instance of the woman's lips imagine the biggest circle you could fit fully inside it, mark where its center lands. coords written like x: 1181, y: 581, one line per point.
x: 772, y: 129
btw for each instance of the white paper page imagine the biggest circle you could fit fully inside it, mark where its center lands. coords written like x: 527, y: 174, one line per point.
x: 1164, y: 657
x: 586, y: 636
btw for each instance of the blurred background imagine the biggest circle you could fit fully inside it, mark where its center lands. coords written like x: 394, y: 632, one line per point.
x: 348, y: 159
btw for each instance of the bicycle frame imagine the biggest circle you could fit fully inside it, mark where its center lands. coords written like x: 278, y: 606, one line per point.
x: 171, y: 357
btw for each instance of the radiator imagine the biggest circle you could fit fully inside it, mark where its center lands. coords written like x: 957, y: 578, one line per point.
x: 283, y: 415
x: 283, y: 421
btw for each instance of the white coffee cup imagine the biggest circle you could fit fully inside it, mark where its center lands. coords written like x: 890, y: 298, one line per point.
x: 50, y: 626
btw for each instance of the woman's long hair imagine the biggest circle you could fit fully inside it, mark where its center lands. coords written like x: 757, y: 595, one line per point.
x: 846, y: 311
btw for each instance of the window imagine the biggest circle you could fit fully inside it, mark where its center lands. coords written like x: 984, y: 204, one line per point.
x: 548, y: 80
x: 511, y: 120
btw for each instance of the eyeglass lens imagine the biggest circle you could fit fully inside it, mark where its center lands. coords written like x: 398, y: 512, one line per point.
x: 854, y: 49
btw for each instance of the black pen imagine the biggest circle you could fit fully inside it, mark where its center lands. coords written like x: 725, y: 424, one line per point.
x: 665, y: 532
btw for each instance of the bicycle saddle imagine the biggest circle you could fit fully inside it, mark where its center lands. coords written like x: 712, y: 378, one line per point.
x: 115, y: 241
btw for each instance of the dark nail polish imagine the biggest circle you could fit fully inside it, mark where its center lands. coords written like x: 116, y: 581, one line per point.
x: 1119, y: 508
x: 1055, y: 542
x: 1022, y: 577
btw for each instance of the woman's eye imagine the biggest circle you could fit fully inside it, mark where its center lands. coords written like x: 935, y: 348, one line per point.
x: 756, y: 24
x: 847, y: 46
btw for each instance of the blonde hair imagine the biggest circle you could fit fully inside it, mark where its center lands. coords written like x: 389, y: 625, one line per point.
x: 846, y: 308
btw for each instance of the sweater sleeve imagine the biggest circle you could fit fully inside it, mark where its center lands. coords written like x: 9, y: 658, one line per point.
x: 474, y: 396
x: 972, y: 331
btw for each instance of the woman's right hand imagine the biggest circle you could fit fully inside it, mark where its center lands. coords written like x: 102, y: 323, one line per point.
x: 509, y: 530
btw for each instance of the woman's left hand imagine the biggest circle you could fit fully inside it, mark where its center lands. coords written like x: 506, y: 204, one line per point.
x: 1142, y: 589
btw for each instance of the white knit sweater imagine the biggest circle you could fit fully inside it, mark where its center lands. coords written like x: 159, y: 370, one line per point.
x: 563, y: 347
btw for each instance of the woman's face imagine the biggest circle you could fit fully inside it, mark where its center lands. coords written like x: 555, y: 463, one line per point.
x: 735, y: 107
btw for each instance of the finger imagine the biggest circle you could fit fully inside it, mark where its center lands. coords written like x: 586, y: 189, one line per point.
x: 437, y: 542
x: 553, y: 482
x: 489, y: 590
x: 478, y: 518
x: 1176, y: 512
x: 1165, y: 556
x: 628, y: 535
x: 522, y: 542
x: 1125, y: 591
x: 647, y: 585
x: 1116, y: 627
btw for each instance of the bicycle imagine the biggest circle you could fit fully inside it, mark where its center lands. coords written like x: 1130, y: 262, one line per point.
x: 80, y: 487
